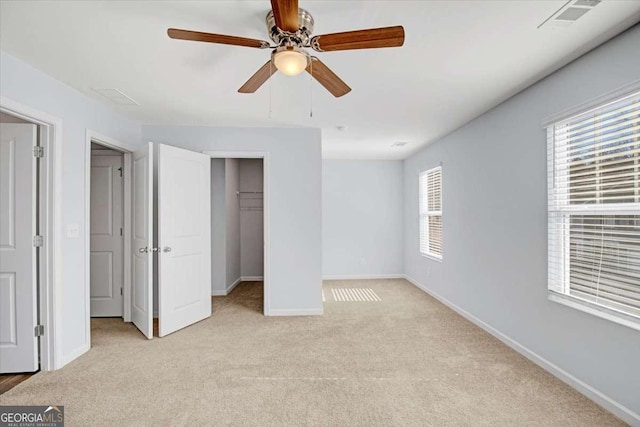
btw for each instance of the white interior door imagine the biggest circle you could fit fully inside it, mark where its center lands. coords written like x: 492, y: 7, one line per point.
x: 107, y: 236
x: 18, y: 303
x: 184, y: 238
x: 142, y: 235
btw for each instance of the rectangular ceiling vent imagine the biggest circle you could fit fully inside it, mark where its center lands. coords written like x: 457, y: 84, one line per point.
x: 399, y: 144
x: 569, y: 13
x: 116, y: 96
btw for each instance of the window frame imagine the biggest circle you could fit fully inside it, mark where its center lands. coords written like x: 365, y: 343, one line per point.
x: 566, y: 210
x: 423, y: 217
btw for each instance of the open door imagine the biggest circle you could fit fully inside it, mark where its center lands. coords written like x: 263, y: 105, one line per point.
x: 18, y: 295
x: 142, y: 235
x: 184, y: 238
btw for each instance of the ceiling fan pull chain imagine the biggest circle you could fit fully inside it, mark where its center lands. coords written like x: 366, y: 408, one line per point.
x: 270, y: 73
x: 311, y: 90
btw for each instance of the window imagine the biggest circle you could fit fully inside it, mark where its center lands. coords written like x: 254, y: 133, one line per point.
x: 431, y: 212
x: 594, y: 210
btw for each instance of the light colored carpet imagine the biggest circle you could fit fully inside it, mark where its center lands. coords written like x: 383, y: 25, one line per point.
x: 406, y: 360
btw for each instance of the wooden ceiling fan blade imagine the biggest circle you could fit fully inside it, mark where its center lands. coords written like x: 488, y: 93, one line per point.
x: 327, y: 78
x: 197, y: 36
x: 362, y: 39
x: 258, y: 79
x: 286, y: 14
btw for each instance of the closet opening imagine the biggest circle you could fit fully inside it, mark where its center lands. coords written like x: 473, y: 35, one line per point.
x: 239, y: 209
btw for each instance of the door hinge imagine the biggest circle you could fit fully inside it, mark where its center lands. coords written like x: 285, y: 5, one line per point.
x: 38, y: 241
x: 121, y: 291
x: 39, y: 330
x: 121, y: 231
x: 120, y: 169
x: 38, y: 151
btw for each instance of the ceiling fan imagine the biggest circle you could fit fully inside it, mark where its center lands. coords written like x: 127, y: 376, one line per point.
x: 290, y: 28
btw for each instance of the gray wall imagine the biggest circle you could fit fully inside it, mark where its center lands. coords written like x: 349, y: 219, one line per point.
x: 495, y: 225
x: 362, y: 218
x: 295, y: 219
x: 232, y: 235
x: 218, y: 228
x: 251, y: 220
x: 26, y: 85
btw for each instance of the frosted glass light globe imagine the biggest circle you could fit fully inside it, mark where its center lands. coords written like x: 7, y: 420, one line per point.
x: 290, y: 62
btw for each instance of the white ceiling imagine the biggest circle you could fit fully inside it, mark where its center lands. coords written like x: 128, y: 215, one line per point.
x: 460, y: 59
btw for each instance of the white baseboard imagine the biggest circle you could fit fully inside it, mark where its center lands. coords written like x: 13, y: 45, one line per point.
x: 296, y: 312
x: 600, y: 398
x: 233, y: 285
x: 251, y: 278
x: 219, y: 293
x: 70, y: 357
x: 363, y: 277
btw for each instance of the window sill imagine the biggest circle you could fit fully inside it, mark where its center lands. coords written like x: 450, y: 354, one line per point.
x: 596, y: 310
x: 431, y: 257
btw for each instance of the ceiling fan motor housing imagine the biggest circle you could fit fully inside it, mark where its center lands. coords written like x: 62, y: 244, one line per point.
x: 301, y: 38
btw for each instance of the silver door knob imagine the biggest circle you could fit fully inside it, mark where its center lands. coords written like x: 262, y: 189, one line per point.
x: 166, y: 249
x: 143, y: 250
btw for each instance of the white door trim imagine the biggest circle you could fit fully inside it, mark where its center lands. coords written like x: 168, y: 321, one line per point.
x: 126, y: 149
x: 266, y: 212
x: 50, y: 197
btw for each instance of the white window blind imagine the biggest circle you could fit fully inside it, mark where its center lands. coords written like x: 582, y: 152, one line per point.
x: 594, y: 207
x: 430, y: 187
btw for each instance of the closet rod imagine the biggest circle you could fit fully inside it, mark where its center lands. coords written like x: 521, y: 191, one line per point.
x: 249, y: 192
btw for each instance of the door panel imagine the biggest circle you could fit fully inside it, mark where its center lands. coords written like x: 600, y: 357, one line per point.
x: 18, y: 304
x: 101, y: 278
x: 9, y: 325
x: 142, y: 232
x: 184, y: 238
x: 107, y: 240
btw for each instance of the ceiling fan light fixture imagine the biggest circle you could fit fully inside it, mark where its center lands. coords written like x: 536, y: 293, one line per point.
x: 290, y: 60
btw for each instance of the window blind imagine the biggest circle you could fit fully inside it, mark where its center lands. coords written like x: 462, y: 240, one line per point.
x: 594, y: 206
x: 430, y: 187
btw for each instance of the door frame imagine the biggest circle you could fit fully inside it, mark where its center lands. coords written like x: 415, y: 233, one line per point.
x: 92, y: 136
x: 50, y: 223
x: 266, y: 173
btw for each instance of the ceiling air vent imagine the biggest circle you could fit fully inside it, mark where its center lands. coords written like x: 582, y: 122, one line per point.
x: 569, y: 13
x: 116, y: 96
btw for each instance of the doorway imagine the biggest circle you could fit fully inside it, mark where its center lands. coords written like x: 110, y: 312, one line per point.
x: 240, y: 223
x: 108, y: 215
x: 48, y: 265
